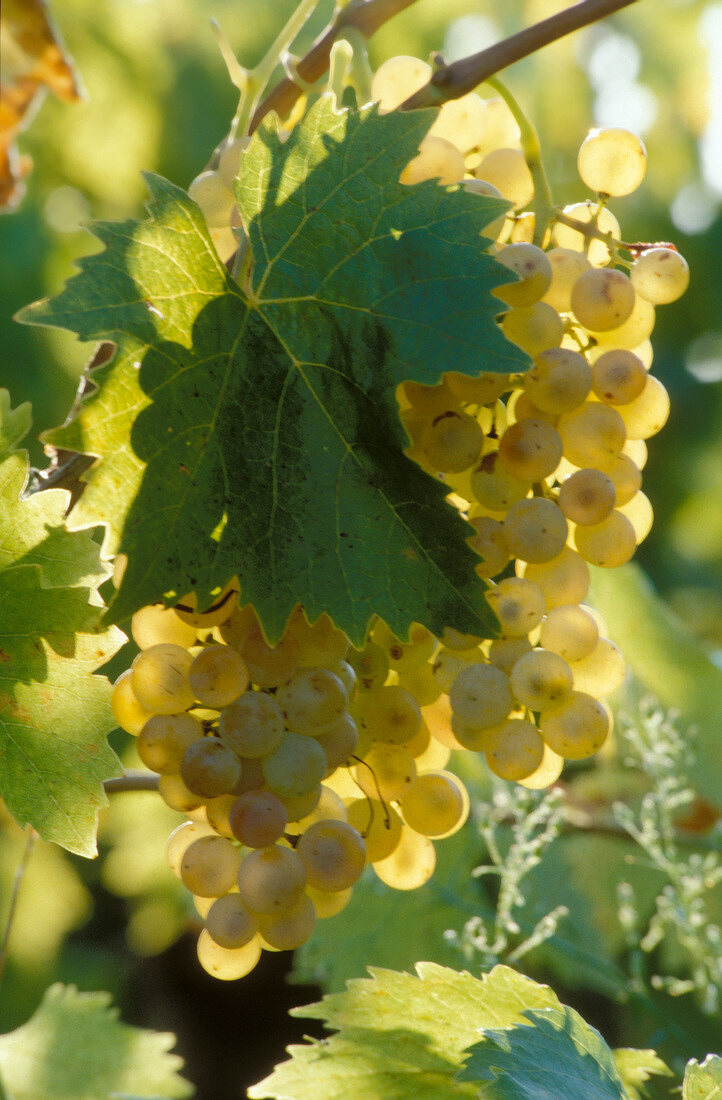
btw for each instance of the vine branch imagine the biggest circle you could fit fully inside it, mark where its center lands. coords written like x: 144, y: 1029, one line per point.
x: 458, y: 78
x: 131, y: 781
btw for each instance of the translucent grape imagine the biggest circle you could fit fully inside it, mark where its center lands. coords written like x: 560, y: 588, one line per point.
x: 559, y: 380
x: 534, y: 273
x: 640, y: 514
x: 411, y: 863
x: 530, y: 450
x: 397, y: 79
x: 155, y: 624
x: 535, y: 529
x: 403, y: 656
x: 619, y: 376
x: 289, y: 929
x: 437, y: 159
x: 391, y: 714
x: 218, y: 676
x: 268, y: 666
x: 602, y: 299
x: 541, y: 679
x: 130, y: 715
x: 257, y: 818
x: 624, y: 475
x: 229, y: 162
x: 505, y: 652
x: 633, y: 331
x: 175, y: 794
x: 331, y: 807
x: 533, y: 328
x: 564, y: 579
x: 490, y: 543
x: 501, y: 130
x: 480, y: 695
x: 379, y: 825
x: 494, y: 487
x: 609, y: 543
x: 434, y: 804
x: 591, y: 433
x: 507, y: 170
x: 587, y: 497
x: 576, y: 729
x: 160, y: 679
x: 163, y: 741
x: 547, y: 773
x: 518, y: 604
x: 570, y: 631
x: 483, y: 389
x: 210, y: 768
x: 320, y: 644
x: 514, y: 750
x: 612, y: 161
x: 660, y: 275
x: 229, y: 923
x: 227, y: 964
x: 296, y: 765
x: 386, y: 771
x: 648, y: 412
x: 340, y: 742
x: 371, y: 665
x: 461, y: 121
x: 299, y: 806
x: 326, y: 904
x: 566, y: 267
x: 600, y: 672
x: 333, y: 853
x: 587, y: 213
x: 209, y: 866
x: 271, y: 880
x: 217, y: 811
x: 495, y: 225
x: 312, y: 701
x: 452, y: 442
x: 215, y: 199
x: 253, y: 725
x: 181, y: 838
x: 221, y: 609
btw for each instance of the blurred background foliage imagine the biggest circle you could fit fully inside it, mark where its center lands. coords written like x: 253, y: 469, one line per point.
x: 158, y: 98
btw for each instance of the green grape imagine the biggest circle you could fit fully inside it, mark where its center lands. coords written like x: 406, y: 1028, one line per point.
x: 371, y: 665
x: 320, y: 644
x: 422, y: 684
x: 619, y: 376
x: 436, y: 159
x: 449, y: 663
x: 378, y: 824
x: 229, y: 163
x: 648, y: 412
x: 558, y: 382
x: 566, y: 267
x: 623, y: 473
x: 535, y: 529
x: 505, y: 652
x: 312, y: 701
x: 482, y: 389
x: 253, y: 725
x: 164, y: 739
x: 391, y: 714
x: 268, y: 666
x: 257, y: 819
x: 330, y: 807
x: 340, y: 742
x: 547, y: 773
x: 541, y: 680
x: 576, y: 729
x: 507, y: 170
x: 251, y: 775
x: 600, y: 672
x: 587, y: 213
x: 436, y: 804
x: 530, y: 450
x: 155, y: 624
x: 209, y: 768
x: 289, y: 929
x: 403, y: 656
x: 660, y: 275
x: 587, y: 497
x: 181, y: 838
x: 501, y: 130
x: 215, y: 199
x: 533, y: 328
x: 496, y: 225
x: 397, y: 79
x: 490, y: 544
x: 591, y: 433
x: 218, y: 676
x: 518, y: 604
x: 461, y: 121
x: 612, y: 161
x: 570, y: 631
x: 271, y: 880
x: 521, y: 407
x: 329, y: 904
x: 609, y: 543
x: 494, y: 487
x: 430, y: 401
x: 160, y: 679
x: 471, y: 737
x: 411, y: 864
x: 640, y: 514
x: 209, y: 866
x: 514, y: 750
x: 534, y: 271
x: 452, y: 442
x: 227, y: 964
x: 229, y: 923
x: 386, y: 771
x: 564, y: 579
x: 299, y: 806
x: 333, y: 853
x: 219, y: 611
x: 480, y: 695
x: 602, y: 299
x: 296, y: 765
x: 637, y: 328
x: 175, y: 794
x: 217, y: 812
x: 130, y: 715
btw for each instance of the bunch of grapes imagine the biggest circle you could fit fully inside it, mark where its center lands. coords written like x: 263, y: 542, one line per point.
x: 299, y: 764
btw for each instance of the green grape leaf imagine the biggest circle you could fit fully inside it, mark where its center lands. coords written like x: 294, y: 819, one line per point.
x: 402, y: 1037
x: 14, y: 423
x: 556, y: 1053
x: 636, y: 1067
x: 75, y: 1046
x: 703, y: 1081
x: 668, y: 660
x: 256, y: 433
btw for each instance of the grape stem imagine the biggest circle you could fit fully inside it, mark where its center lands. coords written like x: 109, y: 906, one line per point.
x: 30, y: 838
x: 131, y: 781
x: 461, y: 77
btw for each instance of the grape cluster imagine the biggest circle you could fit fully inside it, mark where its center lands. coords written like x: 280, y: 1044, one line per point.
x: 299, y: 764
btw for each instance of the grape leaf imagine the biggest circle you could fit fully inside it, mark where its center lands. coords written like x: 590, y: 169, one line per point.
x: 401, y: 1037
x: 636, y: 1067
x: 14, y: 423
x: 257, y: 434
x: 668, y: 660
x: 703, y: 1082
x: 556, y: 1054
x: 75, y: 1046
x: 54, y: 714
